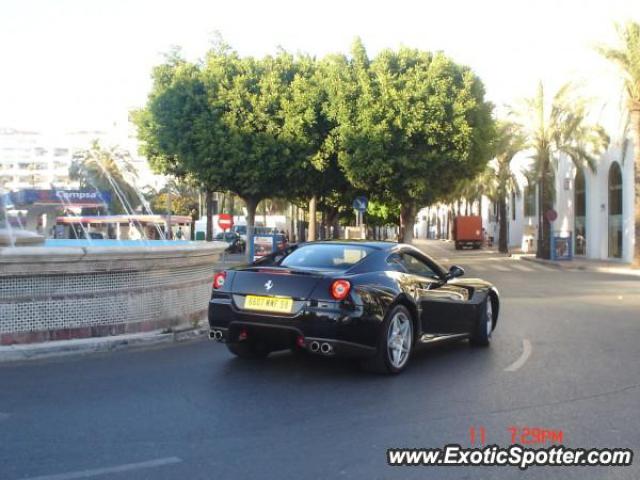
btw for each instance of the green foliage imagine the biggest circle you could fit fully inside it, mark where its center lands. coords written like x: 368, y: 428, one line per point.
x: 108, y: 170
x: 381, y: 214
x: 416, y: 125
x: 510, y: 140
x: 181, y: 194
x: 627, y: 57
x: 403, y: 127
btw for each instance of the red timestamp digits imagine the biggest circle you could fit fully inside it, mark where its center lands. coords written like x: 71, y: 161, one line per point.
x: 535, y: 435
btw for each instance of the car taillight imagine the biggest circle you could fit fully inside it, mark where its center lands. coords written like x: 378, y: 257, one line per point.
x: 218, y: 279
x: 340, y: 289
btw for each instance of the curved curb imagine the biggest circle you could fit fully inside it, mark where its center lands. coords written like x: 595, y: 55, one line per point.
x: 86, y: 346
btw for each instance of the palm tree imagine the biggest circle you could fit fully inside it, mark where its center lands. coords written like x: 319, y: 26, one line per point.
x: 107, y: 170
x: 510, y: 140
x: 554, y: 130
x: 627, y: 57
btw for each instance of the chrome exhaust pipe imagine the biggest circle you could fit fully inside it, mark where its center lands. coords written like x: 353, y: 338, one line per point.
x: 326, y: 348
x: 215, y: 335
x: 314, y: 346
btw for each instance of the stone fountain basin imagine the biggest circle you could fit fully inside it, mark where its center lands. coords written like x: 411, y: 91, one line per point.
x: 56, y: 293
x: 19, y: 237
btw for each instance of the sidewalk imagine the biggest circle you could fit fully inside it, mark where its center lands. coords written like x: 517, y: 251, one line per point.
x: 585, y: 265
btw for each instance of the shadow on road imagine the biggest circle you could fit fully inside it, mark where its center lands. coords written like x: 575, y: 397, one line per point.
x: 425, y: 360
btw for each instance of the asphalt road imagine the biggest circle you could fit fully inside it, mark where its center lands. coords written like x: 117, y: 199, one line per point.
x: 194, y: 412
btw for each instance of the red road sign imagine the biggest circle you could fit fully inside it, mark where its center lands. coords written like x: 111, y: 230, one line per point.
x: 225, y: 221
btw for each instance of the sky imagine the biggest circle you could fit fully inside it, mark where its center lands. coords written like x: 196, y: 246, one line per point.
x: 83, y: 64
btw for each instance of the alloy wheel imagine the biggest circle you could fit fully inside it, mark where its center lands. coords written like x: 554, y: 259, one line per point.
x: 399, y: 339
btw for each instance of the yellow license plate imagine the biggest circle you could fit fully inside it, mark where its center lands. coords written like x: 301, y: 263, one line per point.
x: 268, y: 304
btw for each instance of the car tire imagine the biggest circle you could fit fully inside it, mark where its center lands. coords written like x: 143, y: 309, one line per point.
x: 481, y: 336
x: 385, y: 361
x: 248, y: 349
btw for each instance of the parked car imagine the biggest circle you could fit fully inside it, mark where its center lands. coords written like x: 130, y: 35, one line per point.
x: 375, y: 301
x: 235, y: 242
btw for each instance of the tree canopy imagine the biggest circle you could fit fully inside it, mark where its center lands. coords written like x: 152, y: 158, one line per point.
x: 418, y: 124
x: 403, y: 127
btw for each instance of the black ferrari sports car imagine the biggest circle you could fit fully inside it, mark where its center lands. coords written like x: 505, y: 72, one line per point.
x: 375, y: 301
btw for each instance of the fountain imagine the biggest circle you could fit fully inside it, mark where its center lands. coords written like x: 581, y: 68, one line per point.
x: 53, y: 290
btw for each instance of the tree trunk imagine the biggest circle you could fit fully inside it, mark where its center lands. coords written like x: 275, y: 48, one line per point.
x: 635, y: 125
x: 407, y: 220
x: 438, y: 227
x: 466, y: 207
x: 232, y: 203
x: 223, y: 202
x: 428, y: 224
x: 336, y: 225
x: 545, y: 203
x: 208, y: 200
x: 323, y: 224
x: 503, y: 245
x: 252, y: 206
x: 480, y: 206
x: 312, y: 218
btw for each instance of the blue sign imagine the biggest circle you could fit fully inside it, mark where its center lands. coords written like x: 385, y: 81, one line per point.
x: 360, y: 204
x: 76, y: 198
x: 561, y: 246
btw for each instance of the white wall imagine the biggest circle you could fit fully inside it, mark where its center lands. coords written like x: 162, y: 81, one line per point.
x: 597, y: 208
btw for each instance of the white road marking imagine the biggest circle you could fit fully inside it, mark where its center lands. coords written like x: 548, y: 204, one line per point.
x: 127, y: 467
x: 526, y: 353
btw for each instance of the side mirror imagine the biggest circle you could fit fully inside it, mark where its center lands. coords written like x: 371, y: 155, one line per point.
x: 455, y: 271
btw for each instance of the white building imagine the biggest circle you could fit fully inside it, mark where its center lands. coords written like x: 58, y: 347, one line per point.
x: 35, y: 160
x: 594, y: 209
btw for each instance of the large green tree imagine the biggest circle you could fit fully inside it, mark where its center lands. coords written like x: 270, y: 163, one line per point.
x: 414, y: 125
x: 556, y: 127
x: 176, y: 127
x: 627, y: 57
x: 224, y: 123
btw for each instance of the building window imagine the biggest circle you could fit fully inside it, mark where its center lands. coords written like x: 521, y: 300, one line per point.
x: 615, y: 211
x: 580, y: 226
x: 530, y: 201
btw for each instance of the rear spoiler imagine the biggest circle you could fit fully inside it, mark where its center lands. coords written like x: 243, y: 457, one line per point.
x: 278, y: 270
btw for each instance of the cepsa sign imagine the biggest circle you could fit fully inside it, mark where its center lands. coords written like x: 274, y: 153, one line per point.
x: 225, y: 221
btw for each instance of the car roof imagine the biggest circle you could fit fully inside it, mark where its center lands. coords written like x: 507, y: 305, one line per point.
x: 375, y: 244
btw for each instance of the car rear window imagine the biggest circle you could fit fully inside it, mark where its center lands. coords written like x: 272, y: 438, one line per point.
x: 326, y: 256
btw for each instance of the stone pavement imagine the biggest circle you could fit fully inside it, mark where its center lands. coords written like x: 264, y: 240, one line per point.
x: 585, y: 264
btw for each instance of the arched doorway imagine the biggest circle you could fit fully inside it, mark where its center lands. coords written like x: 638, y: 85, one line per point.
x: 615, y: 211
x: 579, y: 223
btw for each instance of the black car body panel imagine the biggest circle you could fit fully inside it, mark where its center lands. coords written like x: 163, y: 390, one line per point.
x: 441, y: 306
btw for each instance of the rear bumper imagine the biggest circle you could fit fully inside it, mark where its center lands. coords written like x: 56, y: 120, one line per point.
x: 346, y: 328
